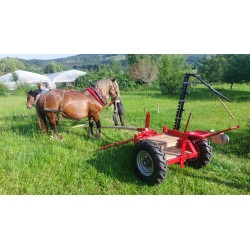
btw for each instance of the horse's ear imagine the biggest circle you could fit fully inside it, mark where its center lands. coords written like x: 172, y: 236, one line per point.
x: 113, y: 80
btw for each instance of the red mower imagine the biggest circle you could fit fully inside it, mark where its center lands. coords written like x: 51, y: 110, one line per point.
x: 154, y: 152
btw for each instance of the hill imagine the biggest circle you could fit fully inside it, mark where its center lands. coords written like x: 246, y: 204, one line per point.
x: 83, y: 61
x: 79, y: 62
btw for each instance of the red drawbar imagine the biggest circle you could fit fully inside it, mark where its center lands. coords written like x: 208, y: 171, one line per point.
x: 92, y: 92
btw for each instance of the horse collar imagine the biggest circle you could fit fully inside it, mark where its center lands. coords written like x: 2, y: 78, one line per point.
x: 97, y: 93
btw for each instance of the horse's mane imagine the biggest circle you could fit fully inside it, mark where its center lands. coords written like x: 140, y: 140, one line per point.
x: 104, y: 85
x: 33, y: 93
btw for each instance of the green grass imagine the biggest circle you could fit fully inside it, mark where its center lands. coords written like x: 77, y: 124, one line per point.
x: 33, y: 163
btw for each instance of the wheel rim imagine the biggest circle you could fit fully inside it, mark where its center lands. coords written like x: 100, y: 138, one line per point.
x: 145, y: 163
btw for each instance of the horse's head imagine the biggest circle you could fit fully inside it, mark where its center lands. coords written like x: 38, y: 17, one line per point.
x: 114, y: 91
x: 31, y: 95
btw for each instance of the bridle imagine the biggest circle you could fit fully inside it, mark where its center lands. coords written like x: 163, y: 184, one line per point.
x: 114, y: 88
x: 31, y: 95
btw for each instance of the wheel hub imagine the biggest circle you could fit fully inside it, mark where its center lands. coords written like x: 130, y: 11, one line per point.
x: 145, y: 163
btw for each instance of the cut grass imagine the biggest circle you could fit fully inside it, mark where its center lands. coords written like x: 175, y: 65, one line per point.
x: 33, y: 163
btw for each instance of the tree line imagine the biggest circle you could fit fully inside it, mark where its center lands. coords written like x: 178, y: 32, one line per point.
x: 9, y: 65
x: 164, y: 71
x: 231, y: 69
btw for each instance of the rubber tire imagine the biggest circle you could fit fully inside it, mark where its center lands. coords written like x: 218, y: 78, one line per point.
x: 152, y: 152
x: 204, y: 155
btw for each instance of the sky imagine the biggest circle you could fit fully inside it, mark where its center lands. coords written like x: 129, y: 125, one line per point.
x: 36, y: 56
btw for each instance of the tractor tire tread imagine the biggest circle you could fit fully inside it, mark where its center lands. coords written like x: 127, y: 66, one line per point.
x: 159, y: 161
x: 204, y: 155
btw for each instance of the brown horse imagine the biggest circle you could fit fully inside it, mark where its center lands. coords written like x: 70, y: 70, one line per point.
x: 73, y: 105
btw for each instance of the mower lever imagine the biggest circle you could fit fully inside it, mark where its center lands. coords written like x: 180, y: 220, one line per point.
x: 206, y: 136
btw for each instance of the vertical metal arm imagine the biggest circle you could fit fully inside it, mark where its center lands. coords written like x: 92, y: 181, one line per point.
x: 182, y: 100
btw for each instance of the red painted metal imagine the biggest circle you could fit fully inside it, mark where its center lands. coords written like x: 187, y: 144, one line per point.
x: 187, y: 140
x: 198, y: 135
x: 117, y: 143
x: 144, y: 134
x: 147, y: 123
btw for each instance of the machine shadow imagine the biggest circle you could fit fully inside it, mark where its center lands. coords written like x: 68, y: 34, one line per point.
x: 230, y: 183
x: 116, y: 163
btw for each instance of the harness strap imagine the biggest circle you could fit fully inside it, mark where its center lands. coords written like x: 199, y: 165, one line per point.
x: 36, y: 99
x: 97, y: 93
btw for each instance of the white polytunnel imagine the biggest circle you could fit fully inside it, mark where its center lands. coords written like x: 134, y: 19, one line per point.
x: 65, y: 77
x: 25, y: 77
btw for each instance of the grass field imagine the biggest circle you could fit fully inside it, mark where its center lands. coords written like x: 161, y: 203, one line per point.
x: 33, y: 163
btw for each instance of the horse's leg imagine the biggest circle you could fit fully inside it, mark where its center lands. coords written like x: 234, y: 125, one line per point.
x: 52, y: 117
x: 96, y: 118
x: 98, y: 129
x: 90, y: 128
x: 42, y: 122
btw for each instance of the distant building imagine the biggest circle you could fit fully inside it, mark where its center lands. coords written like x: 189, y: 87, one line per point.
x: 65, y: 78
x: 25, y: 77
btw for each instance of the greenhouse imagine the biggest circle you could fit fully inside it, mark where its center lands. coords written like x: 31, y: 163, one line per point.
x: 11, y: 80
x: 65, y: 78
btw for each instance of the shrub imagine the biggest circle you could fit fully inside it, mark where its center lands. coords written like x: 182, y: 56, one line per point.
x: 3, y: 90
x: 22, y: 88
x: 125, y: 83
x: 82, y: 82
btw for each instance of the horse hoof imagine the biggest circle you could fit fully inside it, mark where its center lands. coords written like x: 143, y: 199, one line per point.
x: 59, y: 137
x: 99, y: 136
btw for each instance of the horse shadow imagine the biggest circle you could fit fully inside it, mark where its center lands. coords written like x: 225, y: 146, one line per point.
x: 115, y: 162
x: 27, y: 125
x: 24, y: 125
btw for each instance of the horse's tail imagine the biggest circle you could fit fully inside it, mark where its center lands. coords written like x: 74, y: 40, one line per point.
x: 42, y: 122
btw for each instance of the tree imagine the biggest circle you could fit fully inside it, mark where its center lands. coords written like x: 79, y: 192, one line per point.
x: 144, y: 72
x: 116, y: 68
x: 136, y: 58
x: 52, y: 68
x: 8, y: 65
x: 171, y: 70
x: 227, y: 68
x: 212, y: 68
x: 238, y: 69
x: 14, y: 77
